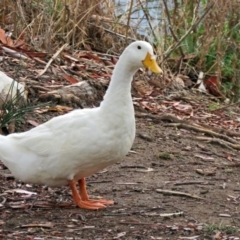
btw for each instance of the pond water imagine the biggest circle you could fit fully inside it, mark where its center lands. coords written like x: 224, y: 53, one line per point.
x: 152, y: 8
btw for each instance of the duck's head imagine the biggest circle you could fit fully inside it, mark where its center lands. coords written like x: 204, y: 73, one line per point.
x: 140, y: 54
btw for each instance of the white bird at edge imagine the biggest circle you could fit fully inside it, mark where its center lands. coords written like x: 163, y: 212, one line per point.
x: 10, y: 87
x: 71, y: 147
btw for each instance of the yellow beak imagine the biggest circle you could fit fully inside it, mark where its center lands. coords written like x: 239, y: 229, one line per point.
x: 150, y: 63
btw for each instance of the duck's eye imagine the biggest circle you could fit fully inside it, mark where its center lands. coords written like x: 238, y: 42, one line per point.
x: 139, y: 47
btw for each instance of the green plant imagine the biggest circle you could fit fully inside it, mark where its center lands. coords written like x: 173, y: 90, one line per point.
x: 223, y: 228
x: 213, y: 106
x: 165, y: 156
x: 14, y: 107
x: 210, y: 45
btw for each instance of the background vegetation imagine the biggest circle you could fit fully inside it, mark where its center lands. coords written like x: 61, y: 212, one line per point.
x: 191, y: 36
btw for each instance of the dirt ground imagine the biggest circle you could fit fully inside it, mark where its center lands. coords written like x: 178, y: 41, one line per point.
x: 180, y: 180
x: 163, y: 158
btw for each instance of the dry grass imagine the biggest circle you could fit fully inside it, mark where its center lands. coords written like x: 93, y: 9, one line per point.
x: 49, y: 24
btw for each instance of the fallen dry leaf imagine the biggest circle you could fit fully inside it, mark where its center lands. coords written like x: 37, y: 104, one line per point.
x: 93, y: 56
x: 60, y: 109
x: 218, y: 236
x: 206, y: 172
x: 114, y: 60
x: 32, y: 122
x: 186, y: 108
x: 143, y: 87
x: 70, y: 78
x: 119, y: 235
x: 3, y: 36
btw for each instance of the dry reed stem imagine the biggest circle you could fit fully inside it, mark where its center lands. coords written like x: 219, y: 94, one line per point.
x: 51, y: 23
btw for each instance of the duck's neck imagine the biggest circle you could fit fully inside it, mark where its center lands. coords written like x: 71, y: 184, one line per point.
x: 119, y: 90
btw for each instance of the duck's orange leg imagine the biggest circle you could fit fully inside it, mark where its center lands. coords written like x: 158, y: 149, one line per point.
x: 85, y: 197
x: 80, y: 202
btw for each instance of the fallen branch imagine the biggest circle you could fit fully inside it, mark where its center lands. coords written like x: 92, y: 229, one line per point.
x: 220, y: 142
x: 221, y: 130
x: 158, y: 118
x: 177, y: 193
x: 219, y: 134
x: 206, y: 131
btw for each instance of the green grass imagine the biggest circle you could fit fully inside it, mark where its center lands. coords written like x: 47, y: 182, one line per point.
x: 165, y: 156
x: 223, y: 228
x: 213, y: 106
x: 14, y: 108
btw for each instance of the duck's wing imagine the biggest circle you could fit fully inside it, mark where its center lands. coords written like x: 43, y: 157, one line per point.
x: 43, y: 140
x: 56, y: 135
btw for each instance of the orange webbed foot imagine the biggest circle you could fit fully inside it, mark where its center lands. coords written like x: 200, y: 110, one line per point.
x: 90, y: 205
x: 101, y: 201
x: 80, y: 202
x: 85, y: 197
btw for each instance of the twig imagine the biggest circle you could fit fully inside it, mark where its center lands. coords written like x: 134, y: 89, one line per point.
x: 227, y: 106
x: 44, y: 225
x: 170, y: 27
x: 52, y: 59
x: 117, y: 34
x: 171, y: 214
x: 169, y: 192
x: 3, y: 201
x: 175, y: 214
x: 140, y: 223
x: 128, y: 21
x: 133, y: 166
x: 191, y: 183
x: 149, y: 21
x: 40, y: 88
x: 104, y: 181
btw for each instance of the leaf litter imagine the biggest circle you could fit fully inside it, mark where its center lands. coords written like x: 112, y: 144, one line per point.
x: 171, y: 120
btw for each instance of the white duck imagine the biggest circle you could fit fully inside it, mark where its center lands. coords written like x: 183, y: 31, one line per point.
x: 69, y: 148
x: 10, y: 88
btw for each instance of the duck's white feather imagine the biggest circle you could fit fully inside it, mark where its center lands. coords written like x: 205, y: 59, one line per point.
x: 81, y: 142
